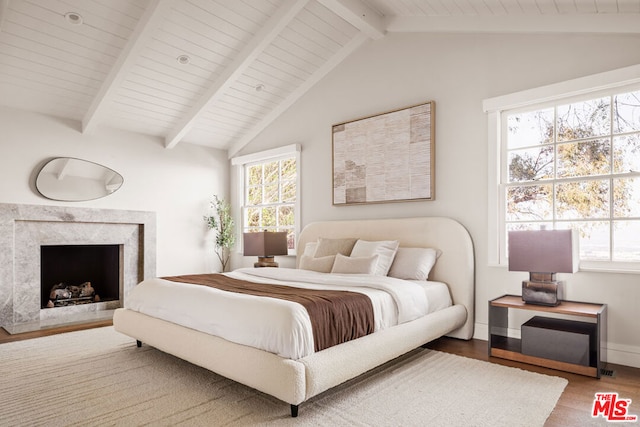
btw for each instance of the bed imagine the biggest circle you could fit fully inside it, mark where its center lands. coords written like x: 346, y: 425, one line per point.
x: 295, y: 379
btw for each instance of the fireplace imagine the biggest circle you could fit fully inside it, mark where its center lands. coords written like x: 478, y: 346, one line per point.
x: 79, y: 274
x: 28, y: 230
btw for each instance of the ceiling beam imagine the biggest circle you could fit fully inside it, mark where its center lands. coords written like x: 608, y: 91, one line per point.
x: 153, y: 16
x: 359, y: 15
x: 329, y: 65
x: 267, y: 33
x: 602, y: 23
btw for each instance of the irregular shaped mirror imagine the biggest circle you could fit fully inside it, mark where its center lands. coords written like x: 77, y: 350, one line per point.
x: 73, y: 180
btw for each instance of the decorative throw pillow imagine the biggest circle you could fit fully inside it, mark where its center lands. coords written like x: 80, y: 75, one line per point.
x: 321, y: 265
x: 310, y: 248
x: 413, y: 263
x: 334, y: 246
x: 355, y: 265
x: 386, y: 249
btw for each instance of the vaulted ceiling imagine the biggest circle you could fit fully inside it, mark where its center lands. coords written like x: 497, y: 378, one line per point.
x: 217, y: 72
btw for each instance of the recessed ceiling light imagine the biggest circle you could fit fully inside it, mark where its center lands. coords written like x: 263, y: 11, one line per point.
x: 183, y: 59
x: 73, y: 18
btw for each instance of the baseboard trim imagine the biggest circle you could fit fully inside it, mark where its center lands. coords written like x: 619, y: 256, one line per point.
x: 622, y: 354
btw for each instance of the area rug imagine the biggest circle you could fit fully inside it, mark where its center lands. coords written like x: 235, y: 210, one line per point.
x: 99, y: 377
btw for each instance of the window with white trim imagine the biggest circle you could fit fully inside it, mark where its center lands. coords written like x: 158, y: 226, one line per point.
x: 572, y: 162
x: 269, y: 187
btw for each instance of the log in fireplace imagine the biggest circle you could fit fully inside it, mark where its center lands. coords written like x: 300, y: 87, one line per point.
x: 79, y: 274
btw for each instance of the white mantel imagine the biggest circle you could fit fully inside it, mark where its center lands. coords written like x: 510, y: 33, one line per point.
x: 24, y: 228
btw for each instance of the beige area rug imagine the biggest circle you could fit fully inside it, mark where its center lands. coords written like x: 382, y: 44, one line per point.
x: 99, y: 377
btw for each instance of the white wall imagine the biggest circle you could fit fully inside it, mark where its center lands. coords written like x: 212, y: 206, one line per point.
x: 176, y: 184
x: 457, y: 72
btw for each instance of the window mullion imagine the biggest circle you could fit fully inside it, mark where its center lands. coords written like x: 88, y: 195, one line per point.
x: 261, y: 162
x: 611, y: 214
x: 583, y: 176
x: 519, y: 125
x: 279, y: 183
x: 554, y: 186
x: 611, y: 173
x: 262, y: 187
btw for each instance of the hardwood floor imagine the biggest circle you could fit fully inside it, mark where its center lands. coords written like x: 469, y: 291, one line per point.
x: 577, y: 398
x: 7, y: 337
x: 575, y: 402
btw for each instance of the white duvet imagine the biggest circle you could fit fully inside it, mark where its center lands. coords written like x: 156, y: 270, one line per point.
x: 274, y: 325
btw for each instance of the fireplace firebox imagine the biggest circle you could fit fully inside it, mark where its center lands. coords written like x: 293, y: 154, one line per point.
x: 79, y: 274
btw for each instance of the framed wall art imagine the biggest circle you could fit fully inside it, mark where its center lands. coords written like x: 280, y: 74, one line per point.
x: 389, y: 157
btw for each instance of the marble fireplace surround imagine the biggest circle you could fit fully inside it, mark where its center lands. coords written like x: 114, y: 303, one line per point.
x: 24, y: 228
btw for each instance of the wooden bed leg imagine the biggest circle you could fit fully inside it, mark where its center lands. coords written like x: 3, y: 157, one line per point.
x: 139, y: 343
x: 294, y: 411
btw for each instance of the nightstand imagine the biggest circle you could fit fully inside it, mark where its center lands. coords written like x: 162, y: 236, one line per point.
x: 571, y: 342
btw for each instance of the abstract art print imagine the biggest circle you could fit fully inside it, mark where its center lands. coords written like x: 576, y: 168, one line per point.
x: 388, y: 157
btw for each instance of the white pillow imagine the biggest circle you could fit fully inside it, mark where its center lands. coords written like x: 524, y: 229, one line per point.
x: 310, y: 248
x: 413, y: 263
x: 386, y: 249
x: 355, y: 265
x: 322, y: 264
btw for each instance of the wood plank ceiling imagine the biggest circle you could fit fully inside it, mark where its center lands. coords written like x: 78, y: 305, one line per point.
x: 217, y: 72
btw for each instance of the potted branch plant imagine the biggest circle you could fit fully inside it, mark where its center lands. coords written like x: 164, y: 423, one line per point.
x: 222, y: 222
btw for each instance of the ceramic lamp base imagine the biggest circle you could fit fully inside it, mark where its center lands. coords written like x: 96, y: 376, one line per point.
x: 265, y: 261
x: 542, y: 293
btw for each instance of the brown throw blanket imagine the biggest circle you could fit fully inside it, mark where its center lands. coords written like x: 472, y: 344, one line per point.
x: 336, y: 316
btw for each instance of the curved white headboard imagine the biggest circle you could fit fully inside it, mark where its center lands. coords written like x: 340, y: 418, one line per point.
x: 455, y: 267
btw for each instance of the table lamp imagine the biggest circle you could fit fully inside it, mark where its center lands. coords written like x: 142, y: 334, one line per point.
x: 543, y: 253
x: 265, y: 244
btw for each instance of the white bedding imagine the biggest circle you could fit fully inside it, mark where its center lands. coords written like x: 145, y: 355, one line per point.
x: 274, y: 325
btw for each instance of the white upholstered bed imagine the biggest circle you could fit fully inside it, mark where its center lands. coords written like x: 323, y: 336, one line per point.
x: 297, y: 380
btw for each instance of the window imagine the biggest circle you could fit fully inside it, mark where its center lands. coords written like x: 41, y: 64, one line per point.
x: 269, y: 192
x: 571, y: 162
